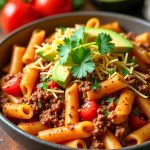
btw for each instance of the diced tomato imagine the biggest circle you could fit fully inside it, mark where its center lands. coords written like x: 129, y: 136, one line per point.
x: 16, y: 13
x: 12, y: 87
x: 51, y: 7
x: 136, y: 122
x: 89, y: 110
x: 52, y: 85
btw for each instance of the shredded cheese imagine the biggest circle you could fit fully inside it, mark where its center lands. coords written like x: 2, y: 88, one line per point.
x: 137, y: 92
x: 55, y: 91
x: 126, y: 58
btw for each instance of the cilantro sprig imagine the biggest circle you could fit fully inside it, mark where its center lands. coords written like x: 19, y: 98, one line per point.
x: 104, y: 43
x: 84, y: 65
x: 74, y: 51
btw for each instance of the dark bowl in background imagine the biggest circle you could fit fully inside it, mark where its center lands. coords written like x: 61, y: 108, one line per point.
x: 21, y: 37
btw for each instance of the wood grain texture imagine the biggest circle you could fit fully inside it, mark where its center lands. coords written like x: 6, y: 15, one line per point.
x: 6, y: 143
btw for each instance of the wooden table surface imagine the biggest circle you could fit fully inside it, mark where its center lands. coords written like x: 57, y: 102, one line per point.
x: 6, y: 143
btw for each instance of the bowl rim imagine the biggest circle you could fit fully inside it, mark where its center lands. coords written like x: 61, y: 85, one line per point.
x: 63, y: 15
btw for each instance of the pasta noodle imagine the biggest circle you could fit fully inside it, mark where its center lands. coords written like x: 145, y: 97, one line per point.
x: 71, y: 105
x: 16, y: 64
x: 110, y: 141
x: 20, y: 111
x: 93, y: 23
x: 79, y: 143
x: 139, y: 136
x: 33, y: 127
x: 109, y: 86
x: 124, y: 106
x: 144, y: 105
x: 143, y: 38
x: 112, y: 26
x: 12, y: 99
x: 80, y: 130
x: 28, y: 81
x: 142, y: 54
x: 36, y: 39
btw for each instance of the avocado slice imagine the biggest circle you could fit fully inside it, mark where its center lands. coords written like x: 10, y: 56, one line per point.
x: 61, y: 75
x: 51, y: 53
x: 122, y: 45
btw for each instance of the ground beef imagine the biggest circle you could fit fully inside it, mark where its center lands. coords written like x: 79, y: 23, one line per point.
x: 111, y: 106
x: 96, y: 144
x: 84, y: 86
x: 3, y: 99
x: 10, y: 76
x: 121, y: 130
x: 54, y: 116
x: 37, y: 97
x: 99, y: 123
x: 47, y: 109
x: 140, y: 86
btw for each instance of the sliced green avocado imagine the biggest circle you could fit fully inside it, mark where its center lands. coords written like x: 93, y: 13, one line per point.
x: 61, y: 75
x: 122, y: 44
x: 48, y: 57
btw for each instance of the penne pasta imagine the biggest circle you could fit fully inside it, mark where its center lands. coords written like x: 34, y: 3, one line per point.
x: 108, y: 86
x: 12, y: 99
x: 36, y: 39
x: 110, y: 141
x: 93, y: 23
x: 28, y: 81
x: 142, y: 66
x: 124, y: 106
x: 16, y: 64
x: 142, y: 55
x: 71, y: 105
x: 20, y: 111
x: 144, y: 105
x: 143, y: 38
x: 79, y: 130
x: 33, y: 127
x: 139, y: 136
x: 78, y: 143
x: 112, y: 26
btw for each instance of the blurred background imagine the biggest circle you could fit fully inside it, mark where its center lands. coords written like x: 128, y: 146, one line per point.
x: 15, y: 13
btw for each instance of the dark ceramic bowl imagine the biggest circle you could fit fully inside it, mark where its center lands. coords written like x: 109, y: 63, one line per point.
x: 21, y: 37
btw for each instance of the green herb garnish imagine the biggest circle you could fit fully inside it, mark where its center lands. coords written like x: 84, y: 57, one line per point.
x: 64, y: 51
x: 95, y: 85
x: 39, y: 104
x: 40, y: 85
x: 110, y: 71
x: 104, y: 43
x: 132, y: 60
x: 110, y: 99
x: 136, y: 111
x: 106, y: 113
x: 43, y: 85
x: 74, y: 51
x: 77, y: 37
x: 124, y: 72
x: 84, y: 65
